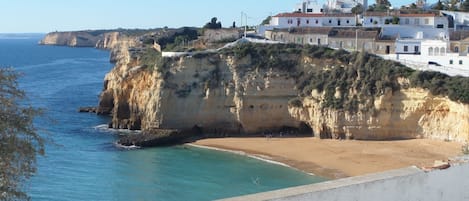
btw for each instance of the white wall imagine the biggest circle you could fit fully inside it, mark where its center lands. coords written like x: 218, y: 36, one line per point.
x: 408, y: 184
x: 411, y: 44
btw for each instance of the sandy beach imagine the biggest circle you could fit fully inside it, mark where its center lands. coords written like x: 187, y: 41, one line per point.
x: 337, y: 159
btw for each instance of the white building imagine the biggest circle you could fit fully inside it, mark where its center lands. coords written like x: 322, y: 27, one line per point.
x: 409, y: 39
x: 308, y: 6
x: 345, y: 6
x: 434, y: 48
x: 380, y: 19
x: 286, y: 20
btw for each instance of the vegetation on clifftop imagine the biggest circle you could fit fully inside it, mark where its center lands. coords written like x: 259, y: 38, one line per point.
x: 348, y: 81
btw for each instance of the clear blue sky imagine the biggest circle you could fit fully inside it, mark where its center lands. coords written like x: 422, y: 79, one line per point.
x: 23, y: 16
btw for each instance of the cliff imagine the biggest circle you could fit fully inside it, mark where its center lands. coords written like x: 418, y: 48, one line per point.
x: 96, y: 39
x: 257, y: 89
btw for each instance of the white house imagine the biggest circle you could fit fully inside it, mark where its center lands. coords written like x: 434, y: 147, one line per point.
x: 340, y: 20
x: 408, y: 46
x: 381, y: 19
x: 409, y: 39
x: 308, y: 6
x: 345, y: 6
x: 286, y: 20
x: 435, y: 48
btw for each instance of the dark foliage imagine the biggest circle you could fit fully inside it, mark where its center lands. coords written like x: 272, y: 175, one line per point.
x: 19, y: 139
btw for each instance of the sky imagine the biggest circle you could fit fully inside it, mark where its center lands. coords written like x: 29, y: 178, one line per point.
x: 42, y: 16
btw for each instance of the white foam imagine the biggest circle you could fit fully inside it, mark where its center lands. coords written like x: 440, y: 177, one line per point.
x: 105, y: 128
x: 126, y: 147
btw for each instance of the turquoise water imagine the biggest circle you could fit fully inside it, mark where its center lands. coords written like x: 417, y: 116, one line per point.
x: 84, y: 164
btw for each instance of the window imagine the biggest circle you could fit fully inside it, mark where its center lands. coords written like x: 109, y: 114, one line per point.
x: 309, y: 10
x: 317, y: 21
x: 440, y: 26
x: 437, y: 51
x: 451, y: 61
x: 442, y: 51
x: 330, y: 21
x: 406, y: 48
x: 456, y: 49
x: 416, y: 49
x: 417, y: 21
x: 371, y: 19
x: 406, y: 21
x: 427, y: 21
x: 430, y: 51
x: 460, y: 62
x: 348, y: 21
x: 319, y: 41
x: 310, y: 40
x: 307, y: 21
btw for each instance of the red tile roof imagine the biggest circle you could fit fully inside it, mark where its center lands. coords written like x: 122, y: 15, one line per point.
x: 299, y: 15
x: 418, y: 15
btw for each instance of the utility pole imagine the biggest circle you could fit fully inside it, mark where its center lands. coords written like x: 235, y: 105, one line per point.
x: 356, y: 39
x: 246, y: 21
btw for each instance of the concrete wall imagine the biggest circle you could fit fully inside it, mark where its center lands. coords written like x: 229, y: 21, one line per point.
x: 408, y: 184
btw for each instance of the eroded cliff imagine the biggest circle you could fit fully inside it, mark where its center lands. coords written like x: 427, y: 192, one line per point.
x: 96, y: 39
x: 255, y: 89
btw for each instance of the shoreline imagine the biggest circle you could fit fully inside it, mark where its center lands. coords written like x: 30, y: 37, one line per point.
x: 335, y: 159
x: 260, y: 157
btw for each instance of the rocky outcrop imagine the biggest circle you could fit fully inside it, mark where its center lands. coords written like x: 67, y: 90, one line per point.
x: 156, y: 137
x: 98, y: 39
x: 72, y: 39
x: 408, y: 113
x: 215, y: 93
x: 229, y: 93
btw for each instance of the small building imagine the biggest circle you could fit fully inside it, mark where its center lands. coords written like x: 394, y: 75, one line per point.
x: 353, y: 38
x: 308, y: 6
x: 385, y: 45
x: 301, y: 35
x: 339, y: 20
x: 459, y: 42
x: 434, y: 47
x: 380, y: 19
x: 287, y: 20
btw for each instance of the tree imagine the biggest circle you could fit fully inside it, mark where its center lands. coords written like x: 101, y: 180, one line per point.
x: 380, y: 5
x: 266, y: 20
x: 439, y: 6
x: 451, y: 5
x: 213, y: 24
x: 464, y: 6
x: 19, y: 139
x: 358, y: 9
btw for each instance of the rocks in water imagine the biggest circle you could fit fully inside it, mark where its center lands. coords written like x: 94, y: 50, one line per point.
x: 88, y: 109
x: 157, y: 137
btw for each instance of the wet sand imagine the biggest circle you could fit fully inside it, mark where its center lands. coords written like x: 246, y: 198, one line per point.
x: 341, y: 158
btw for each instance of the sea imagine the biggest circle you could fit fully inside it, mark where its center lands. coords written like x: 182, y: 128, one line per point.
x: 82, y: 161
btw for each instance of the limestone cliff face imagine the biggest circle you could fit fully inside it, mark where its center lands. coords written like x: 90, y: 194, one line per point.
x: 72, y: 39
x: 408, y: 113
x: 104, y: 40
x: 215, y: 93
x: 225, y: 94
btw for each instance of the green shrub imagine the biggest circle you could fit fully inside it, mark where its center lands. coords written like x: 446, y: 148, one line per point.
x: 295, y: 102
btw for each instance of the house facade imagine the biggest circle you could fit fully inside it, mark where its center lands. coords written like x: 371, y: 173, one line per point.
x: 381, y: 19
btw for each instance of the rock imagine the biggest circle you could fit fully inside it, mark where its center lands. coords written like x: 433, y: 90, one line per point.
x: 87, y: 109
x: 441, y: 165
x: 157, y: 137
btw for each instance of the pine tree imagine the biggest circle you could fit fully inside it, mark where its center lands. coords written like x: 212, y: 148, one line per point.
x: 19, y: 139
